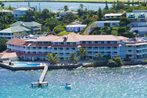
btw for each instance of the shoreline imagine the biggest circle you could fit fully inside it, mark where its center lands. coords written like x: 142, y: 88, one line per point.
x: 68, y: 67
x: 68, y: 1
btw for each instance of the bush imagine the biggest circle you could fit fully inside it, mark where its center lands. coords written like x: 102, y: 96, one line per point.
x: 115, y: 62
x: 3, y: 44
x: 58, y: 28
x: 63, y: 33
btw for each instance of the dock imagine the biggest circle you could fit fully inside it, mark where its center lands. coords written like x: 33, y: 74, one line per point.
x: 41, y: 82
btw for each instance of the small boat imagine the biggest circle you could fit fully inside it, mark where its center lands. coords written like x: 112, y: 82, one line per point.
x: 68, y: 86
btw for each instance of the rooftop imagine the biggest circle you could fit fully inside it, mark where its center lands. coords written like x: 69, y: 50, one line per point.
x: 77, y: 25
x: 72, y: 37
x: 14, y: 29
x: 113, y: 14
x: 107, y: 21
x: 24, y: 8
x: 6, y: 55
x: 27, y: 24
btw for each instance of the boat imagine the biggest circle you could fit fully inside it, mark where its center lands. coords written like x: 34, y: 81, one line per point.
x: 68, y: 86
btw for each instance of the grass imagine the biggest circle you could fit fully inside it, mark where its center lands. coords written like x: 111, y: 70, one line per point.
x: 63, y: 33
x: 73, y: 0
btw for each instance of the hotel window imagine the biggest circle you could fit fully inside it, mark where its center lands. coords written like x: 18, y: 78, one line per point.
x: 34, y: 52
x: 115, y: 47
x: 34, y: 47
x: 96, y: 42
x: 101, y: 47
x: 62, y: 43
x: 45, y: 47
x: 55, y: 48
x: 61, y: 48
x: 102, y: 42
x: 108, y: 47
x: 108, y: 42
x: 89, y: 47
x: 39, y: 47
x: 73, y: 48
x: 83, y: 42
x: 68, y: 43
x: 61, y: 53
x: 115, y: 52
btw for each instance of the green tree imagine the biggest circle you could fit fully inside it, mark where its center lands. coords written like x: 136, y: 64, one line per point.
x: 29, y: 16
x: 98, y: 56
x: 58, y: 29
x: 51, y: 23
x: 2, y: 4
x: 124, y: 21
x: 81, y: 6
x: 111, y: 63
x: 66, y: 8
x: 52, y: 58
x: 118, y: 60
x: 129, y: 34
x: 81, y: 53
x: 3, y: 44
x: 45, y: 14
x: 100, y: 14
x: 68, y: 18
x: 5, y: 20
x: 73, y: 58
x: 106, y: 5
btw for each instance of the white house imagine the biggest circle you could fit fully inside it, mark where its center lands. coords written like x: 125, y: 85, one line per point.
x: 107, y: 23
x: 113, y: 16
x: 75, y: 28
x: 137, y: 15
x: 140, y: 31
x: 20, y: 11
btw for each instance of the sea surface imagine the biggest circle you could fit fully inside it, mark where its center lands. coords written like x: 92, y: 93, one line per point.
x: 56, y: 6
x: 127, y: 82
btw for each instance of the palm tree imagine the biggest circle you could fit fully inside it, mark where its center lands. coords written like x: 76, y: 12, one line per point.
x: 98, y: 56
x: 81, y: 53
x: 73, y: 58
x: 2, y: 4
x: 52, y: 58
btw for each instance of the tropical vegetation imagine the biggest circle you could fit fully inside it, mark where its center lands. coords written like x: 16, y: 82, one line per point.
x: 52, y: 58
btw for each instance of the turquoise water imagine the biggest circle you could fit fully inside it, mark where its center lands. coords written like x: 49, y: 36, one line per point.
x: 26, y: 64
x: 55, y: 6
x: 86, y: 83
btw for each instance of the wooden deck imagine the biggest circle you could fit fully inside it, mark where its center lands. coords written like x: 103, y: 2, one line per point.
x: 42, y: 78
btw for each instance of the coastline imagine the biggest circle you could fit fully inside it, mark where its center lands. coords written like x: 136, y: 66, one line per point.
x: 67, y: 1
x: 68, y: 67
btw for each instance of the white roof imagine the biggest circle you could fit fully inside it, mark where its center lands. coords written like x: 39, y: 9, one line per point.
x: 23, y: 8
x: 107, y: 21
x: 77, y: 25
x: 114, y: 14
x: 5, y: 11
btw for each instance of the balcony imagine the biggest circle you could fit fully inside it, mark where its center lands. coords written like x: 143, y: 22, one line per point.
x: 132, y: 15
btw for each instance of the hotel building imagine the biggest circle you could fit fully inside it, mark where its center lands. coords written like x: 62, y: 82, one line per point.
x: 37, y: 48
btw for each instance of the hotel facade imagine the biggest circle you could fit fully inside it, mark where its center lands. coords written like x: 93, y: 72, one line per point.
x: 37, y: 48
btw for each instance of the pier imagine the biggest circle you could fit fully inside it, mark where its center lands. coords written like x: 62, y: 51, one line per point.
x: 41, y: 82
